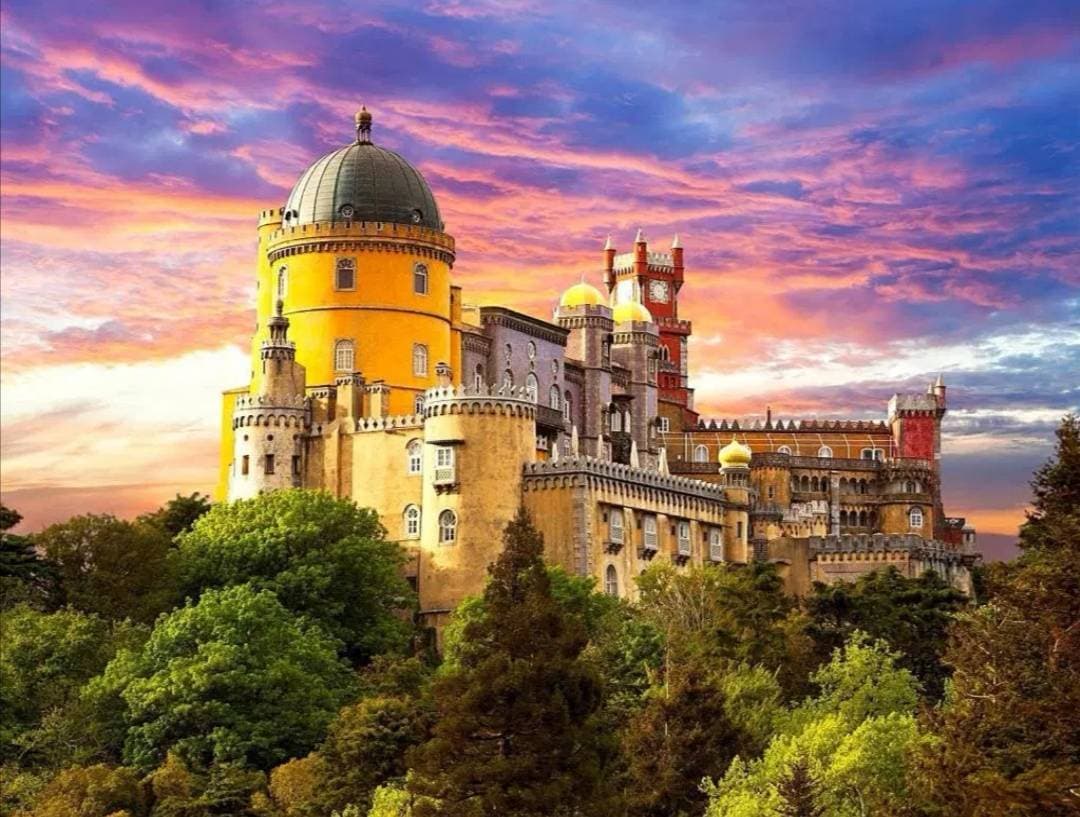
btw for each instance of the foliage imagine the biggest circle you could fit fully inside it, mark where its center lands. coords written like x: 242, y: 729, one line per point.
x: 45, y: 660
x: 514, y: 732
x: 855, y: 737
x: 798, y: 792
x: 296, y: 787
x: 227, y: 790
x: 179, y: 514
x: 235, y: 678
x: 1054, y: 521
x: 24, y: 576
x: 911, y: 615
x: 322, y: 557
x: 90, y: 791
x: 388, y: 801
x: 110, y: 567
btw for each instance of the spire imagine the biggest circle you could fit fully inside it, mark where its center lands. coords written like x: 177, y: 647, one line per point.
x: 640, y: 238
x: 608, y: 245
x: 662, y: 464
x: 940, y: 382
x: 278, y: 344
x: 675, y: 243
x: 575, y: 444
x: 635, y: 458
x: 363, y: 126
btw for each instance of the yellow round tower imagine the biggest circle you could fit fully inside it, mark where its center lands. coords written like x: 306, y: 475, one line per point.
x: 360, y: 260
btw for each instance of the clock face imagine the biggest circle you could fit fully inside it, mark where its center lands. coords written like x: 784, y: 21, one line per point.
x: 658, y: 291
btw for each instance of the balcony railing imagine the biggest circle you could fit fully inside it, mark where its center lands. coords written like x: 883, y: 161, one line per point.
x: 445, y: 475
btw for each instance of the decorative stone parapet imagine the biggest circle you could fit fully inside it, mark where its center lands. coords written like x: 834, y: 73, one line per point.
x: 488, y: 399
x: 617, y: 473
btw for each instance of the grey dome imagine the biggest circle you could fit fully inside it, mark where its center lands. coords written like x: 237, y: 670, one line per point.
x: 362, y: 182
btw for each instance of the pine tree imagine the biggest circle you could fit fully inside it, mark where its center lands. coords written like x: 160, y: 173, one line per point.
x: 797, y: 791
x: 514, y: 733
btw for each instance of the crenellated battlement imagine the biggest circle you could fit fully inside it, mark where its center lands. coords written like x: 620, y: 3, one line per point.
x: 489, y: 399
x: 623, y: 474
x: 332, y: 236
x: 260, y: 402
x: 393, y: 423
x: 813, y: 425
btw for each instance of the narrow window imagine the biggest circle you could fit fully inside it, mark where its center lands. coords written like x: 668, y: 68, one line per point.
x: 701, y: 453
x: 739, y: 530
x: 420, y: 279
x: 296, y: 465
x: 245, y: 464
x: 916, y: 517
x: 532, y: 387
x: 555, y: 398
x: 419, y: 360
x: 282, y: 282
x: 447, y: 528
x: 269, y: 467
x: 415, y: 456
x: 412, y: 522
x: 716, y: 545
x: 478, y: 377
x: 418, y: 404
x: 508, y: 380
x: 615, y: 526
x: 344, y: 356
x: 771, y: 492
x: 684, y: 538
x: 650, y: 533
x: 611, y: 581
x: 345, y: 274
x: 566, y: 406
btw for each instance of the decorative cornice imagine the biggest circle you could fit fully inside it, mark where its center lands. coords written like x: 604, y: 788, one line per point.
x: 526, y: 324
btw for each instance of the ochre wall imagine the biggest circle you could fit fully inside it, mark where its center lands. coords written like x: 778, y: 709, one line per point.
x: 225, y: 451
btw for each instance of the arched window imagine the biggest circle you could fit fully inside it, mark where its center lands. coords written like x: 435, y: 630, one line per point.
x: 701, y: 453
x: 566, y: 406
x: 344, y: 356
x: 824, y: 452
x: 611, y: 581
x: 508, y: 380
x: 555, y: 398
x: 862, y: 519
x: 418, y: 404
x: 282, y: 282
x: 815, y: 485
x: 805, y: 482
x: 532, y: 387
x: 419, y: 360
x: 649, y: 539
x: 915, y: 516
x: 412, y: 522
x: 843, y: 485
x: 414, y: 456
x: 420, y: 279
x: 447, y: 527
x: 843, y: 518
x: 478, y: 377
x: 615, y: 525
x: 784, y: 449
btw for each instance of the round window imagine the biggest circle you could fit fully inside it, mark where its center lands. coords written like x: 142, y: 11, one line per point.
x: 346, y: 211
x: 417, y: 216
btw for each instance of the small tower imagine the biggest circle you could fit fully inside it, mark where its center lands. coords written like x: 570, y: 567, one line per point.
x: 269, y: 425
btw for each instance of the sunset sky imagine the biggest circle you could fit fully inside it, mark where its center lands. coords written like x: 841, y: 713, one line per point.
x: 868, y: 194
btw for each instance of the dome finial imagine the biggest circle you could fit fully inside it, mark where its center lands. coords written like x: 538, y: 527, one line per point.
x: 363, y: 126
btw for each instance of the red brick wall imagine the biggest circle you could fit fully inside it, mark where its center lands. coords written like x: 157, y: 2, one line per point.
x: 917, y: 437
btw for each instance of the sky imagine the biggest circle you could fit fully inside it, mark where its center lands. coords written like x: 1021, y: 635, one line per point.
x: 868, y: 194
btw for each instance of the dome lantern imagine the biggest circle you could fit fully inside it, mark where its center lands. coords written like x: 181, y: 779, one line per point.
x: 734, y: 454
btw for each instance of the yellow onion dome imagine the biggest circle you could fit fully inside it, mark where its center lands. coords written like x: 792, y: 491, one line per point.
x: 631, y: 311
x: 581, y: 295
x: 734, y: 453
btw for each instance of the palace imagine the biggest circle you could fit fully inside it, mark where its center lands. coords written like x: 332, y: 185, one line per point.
x: 372, y: 379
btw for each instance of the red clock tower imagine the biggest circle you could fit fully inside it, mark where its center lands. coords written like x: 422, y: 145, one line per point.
x: 655, y: 279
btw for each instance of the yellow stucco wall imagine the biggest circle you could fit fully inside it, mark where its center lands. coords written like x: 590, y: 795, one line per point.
x: 225, y: 452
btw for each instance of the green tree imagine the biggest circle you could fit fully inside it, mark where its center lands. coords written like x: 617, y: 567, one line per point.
x: 856, y: 737
x: 45, y: 661
x: 234, y: 678
x: 514, y: 730
x: 911, y: 615
x: 797, y: 792
x: 25, y: 577
x: 1009, y: 728
x: 322, y: 557
x: 110, y: 567
x: 90, y: 791
x: 179, y: 514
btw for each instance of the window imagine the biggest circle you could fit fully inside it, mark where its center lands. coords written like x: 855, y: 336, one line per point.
x: 716, y: 545
x: 418, y: 404
x: 739, y: 530
x: 650, y: 532
x: 345, y: 274
x: 532, y: 387
x: 916, y: 518
x: 447, y: 528
x: 771, y: 492
x: 615, y: 525
x: 508, y: 351
x: 412, y: 522
x: 419, y: 360
x: 344, y: 356
x: 245, y: 464
x: 415, y: 456
x: 909, y: 487
x: 872, y: 453
x: 555, y: 368
x: 665, y: 424
x: 420, y: 279
x: 508, y: 380
x: 444, y: 465
x: 478, y: 377
x: 282, y: 282
x: 269, y: 464
x: 555, y: 398
x: 611, y: 581
x: 296, y: 465
x: 824, y: 452
x: 566, y: 406
x: 683, y: 530
x: 616, y: 421
x: 532, y: 350
x: 701, y: 453
x: 784, y: 449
